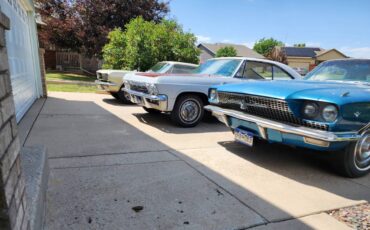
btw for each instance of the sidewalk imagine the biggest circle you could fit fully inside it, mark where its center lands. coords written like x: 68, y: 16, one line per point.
x: 116, y: 167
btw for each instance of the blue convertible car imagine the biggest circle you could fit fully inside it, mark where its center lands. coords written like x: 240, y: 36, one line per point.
x: 328, y: 111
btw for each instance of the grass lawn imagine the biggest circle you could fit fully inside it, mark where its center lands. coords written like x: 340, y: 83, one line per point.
x: 60, y: 87
x: 69, y: 77
x: 71, y: 88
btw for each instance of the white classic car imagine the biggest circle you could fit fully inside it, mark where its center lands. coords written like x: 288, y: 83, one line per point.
x: 112, y: 80
x: 184, y: 95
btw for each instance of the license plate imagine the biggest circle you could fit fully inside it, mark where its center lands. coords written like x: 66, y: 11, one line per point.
x: 244, y: 137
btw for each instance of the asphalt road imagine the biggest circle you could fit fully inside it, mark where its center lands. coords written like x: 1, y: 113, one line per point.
x: 114, y: 166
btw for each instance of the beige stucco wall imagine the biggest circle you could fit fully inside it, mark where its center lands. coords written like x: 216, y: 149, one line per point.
x: 300, y: 62
x: 330, y: 55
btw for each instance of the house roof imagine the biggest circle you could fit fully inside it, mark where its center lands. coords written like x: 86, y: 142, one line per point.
x: 320, y: 53
x: 301, y: 51
x: 241, y: 50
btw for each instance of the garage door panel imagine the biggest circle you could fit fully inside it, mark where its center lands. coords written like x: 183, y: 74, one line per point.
x: 20, y: 56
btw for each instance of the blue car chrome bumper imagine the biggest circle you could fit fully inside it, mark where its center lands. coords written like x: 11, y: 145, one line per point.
x: 275, y: 131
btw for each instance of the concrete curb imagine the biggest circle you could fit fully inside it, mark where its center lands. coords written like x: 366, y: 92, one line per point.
x: 34, y: 163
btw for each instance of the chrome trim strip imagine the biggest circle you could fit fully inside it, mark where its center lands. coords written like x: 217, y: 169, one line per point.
x: 262, y: 131
x: 104, y: 83
x: 284, y: 128
x: 313, y: 141
x: 364, y: 129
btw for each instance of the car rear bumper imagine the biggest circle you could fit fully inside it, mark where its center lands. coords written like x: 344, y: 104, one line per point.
x: 158, y: 102
x: 280, y: 132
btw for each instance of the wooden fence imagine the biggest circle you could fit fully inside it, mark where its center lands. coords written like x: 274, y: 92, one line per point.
x: 71, y: 61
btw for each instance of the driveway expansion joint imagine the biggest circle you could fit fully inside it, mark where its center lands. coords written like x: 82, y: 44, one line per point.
x: 106, y: 154
x: 48, y: 115
x: 124, y: 164
x: 358, y: 183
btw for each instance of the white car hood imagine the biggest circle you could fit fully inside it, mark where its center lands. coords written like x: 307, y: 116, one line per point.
x: 114, y: 72
x: 174, y: 78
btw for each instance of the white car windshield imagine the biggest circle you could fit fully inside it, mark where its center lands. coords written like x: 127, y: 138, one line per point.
x: 221, y: 67
x: 160, y: 67
x: 342, y: 70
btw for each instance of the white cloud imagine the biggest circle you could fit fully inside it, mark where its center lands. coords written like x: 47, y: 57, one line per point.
x: 356, y: 52
x: 201, y: 38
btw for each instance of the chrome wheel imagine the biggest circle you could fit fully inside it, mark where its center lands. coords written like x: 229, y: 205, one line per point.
x: 362, y: 153
x: 189, y: 111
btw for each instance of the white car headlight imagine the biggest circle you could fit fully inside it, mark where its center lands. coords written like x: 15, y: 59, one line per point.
x: 127, y: 85
x: 213, y: 96
x: 330, y: 113
x: 311, y: 110
x: 152, y: 89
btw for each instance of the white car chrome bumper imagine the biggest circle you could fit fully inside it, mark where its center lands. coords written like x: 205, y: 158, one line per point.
x: 107, y: 86
x: 158, y: 102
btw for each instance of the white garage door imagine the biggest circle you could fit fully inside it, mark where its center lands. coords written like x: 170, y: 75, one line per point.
x: 20, y: 58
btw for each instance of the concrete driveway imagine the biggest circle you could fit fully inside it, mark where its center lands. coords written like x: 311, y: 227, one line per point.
x: 117, y: 167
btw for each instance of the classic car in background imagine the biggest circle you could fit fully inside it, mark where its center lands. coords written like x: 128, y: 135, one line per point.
x: 184, y: 95
x: 329, y: 111
x: 112, y: 80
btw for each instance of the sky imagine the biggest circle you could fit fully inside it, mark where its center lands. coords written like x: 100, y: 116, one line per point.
x: 340, y: 24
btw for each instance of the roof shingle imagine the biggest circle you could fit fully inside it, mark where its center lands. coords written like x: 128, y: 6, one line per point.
x: 241, y: 50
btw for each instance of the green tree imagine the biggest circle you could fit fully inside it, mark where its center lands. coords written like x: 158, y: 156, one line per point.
x: 144, y: 43
x: 227, y: 51
x: 265, y: 45
x: 300, y: 45
x: 83, y: 25
x: 113, y: 52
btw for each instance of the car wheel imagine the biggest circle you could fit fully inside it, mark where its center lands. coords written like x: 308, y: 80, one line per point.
x: 123, y: 97
x: 151, y: 111
x: 188, y: 111
x: 354, y: 161
x: 115, y: 95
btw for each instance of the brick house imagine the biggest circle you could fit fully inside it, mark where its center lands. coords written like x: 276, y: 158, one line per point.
x: 21, y: 83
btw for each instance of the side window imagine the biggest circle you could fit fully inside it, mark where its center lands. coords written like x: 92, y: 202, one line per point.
x: 182, y: 69
x: 257, y: 70
x: 170, y: 70
x: 280, y: 74
x: 239, y: 74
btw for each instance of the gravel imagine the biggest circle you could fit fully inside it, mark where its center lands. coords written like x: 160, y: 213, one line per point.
x: 356, y: 217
